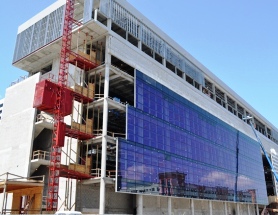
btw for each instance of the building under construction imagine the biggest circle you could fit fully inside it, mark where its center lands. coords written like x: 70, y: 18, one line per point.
x: 114, y: 117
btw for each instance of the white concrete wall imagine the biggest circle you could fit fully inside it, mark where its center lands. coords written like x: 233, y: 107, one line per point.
x: 115, y: 203
x: 155, y: 205
x: 16, y: 129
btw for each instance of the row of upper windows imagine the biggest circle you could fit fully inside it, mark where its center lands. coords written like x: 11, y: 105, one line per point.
x: 206, y: 87
x: 232, y: 106
x: 209, y: 89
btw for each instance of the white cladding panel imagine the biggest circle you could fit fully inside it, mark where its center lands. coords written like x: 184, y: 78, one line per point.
x: 16, y: 129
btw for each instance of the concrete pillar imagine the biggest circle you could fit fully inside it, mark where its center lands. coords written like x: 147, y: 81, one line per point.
x: 184, y: 76
x: 257, y: 210
x: 109, y: 24
x: 164, y: 62
x: 192, y: 207
x: 140, y: 41
x: 213, y: 92
x: 265, y: 130
x: 104, y: 132
x: 236, y: 112
x: 169, y: 201
x: 226, y: 101
x: 244, y: 114
x: 225, y: 208
x: 248, y: 208
x: 139, y: 204
x: 237, y: 208
x: 210, y: 208
x: 140, y: 44
x: 95, y: 14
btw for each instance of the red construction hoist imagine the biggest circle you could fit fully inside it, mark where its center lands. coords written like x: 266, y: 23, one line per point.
x: 59, y: 110
x: 57, y: 99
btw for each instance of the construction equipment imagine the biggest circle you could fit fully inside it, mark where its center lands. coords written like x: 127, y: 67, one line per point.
x: 265, y: 153
x: 59, y: 125
x: 57, y: 99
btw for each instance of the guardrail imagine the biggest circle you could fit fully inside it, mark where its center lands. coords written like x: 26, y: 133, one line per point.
x: 21, y: 78
x: 41, y: 117
x: 109, y: 173
x: 40, y: 154
x: 98, y: 132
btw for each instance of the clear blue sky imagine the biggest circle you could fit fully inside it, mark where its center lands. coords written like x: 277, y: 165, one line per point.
x: 236, y: 40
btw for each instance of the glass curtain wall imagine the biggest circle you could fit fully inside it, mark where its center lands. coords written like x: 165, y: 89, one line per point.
x: 175, y: 148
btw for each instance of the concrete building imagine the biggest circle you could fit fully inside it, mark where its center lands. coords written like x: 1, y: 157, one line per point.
x: 1, y: 107
x: 152, y: 131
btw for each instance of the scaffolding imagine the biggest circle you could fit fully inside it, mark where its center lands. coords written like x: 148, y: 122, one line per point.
x: 27, y: 194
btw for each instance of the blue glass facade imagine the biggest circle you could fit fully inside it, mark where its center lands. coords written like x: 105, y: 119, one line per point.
x: 175, y: 148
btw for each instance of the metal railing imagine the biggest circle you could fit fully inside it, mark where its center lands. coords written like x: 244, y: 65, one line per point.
x: 21, y: 78
x: 98, y: 132
x: 109, y: 173
x: 12, y: 177
x: 40, y: 154
x: 45, y: 118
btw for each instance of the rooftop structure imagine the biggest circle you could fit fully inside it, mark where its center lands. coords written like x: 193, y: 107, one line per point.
x: 146, y: 126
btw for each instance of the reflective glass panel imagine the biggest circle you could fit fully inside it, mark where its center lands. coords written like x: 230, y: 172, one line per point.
x: 175, y: 148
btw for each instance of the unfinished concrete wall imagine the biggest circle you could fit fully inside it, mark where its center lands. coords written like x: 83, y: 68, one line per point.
x: 87, y: 200
x: 16, y: 129
x: 120, y: 203
x: 218, y: 208
x: 181, y: 206
x: 156, y: 205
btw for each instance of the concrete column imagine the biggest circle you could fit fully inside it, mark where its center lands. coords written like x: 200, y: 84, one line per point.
x: 164, y: 62
x: 184, y: 76
x: 265, y: 130
x: 140, y: 44
x: 225, y: 208
x: 95, y: 14
x: 236, y: 108
x: 248, y: 208
x: 169, y: 201
x: 244, y: 114
x: 226, y: 101
x: 213, y: 92
x: 192, y: 207
x: 237, y: 208
x: 257, y: 210
x: 210, y: 208
x: 109, y: 24
x: 104, y: 132
x: 139, y: 204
